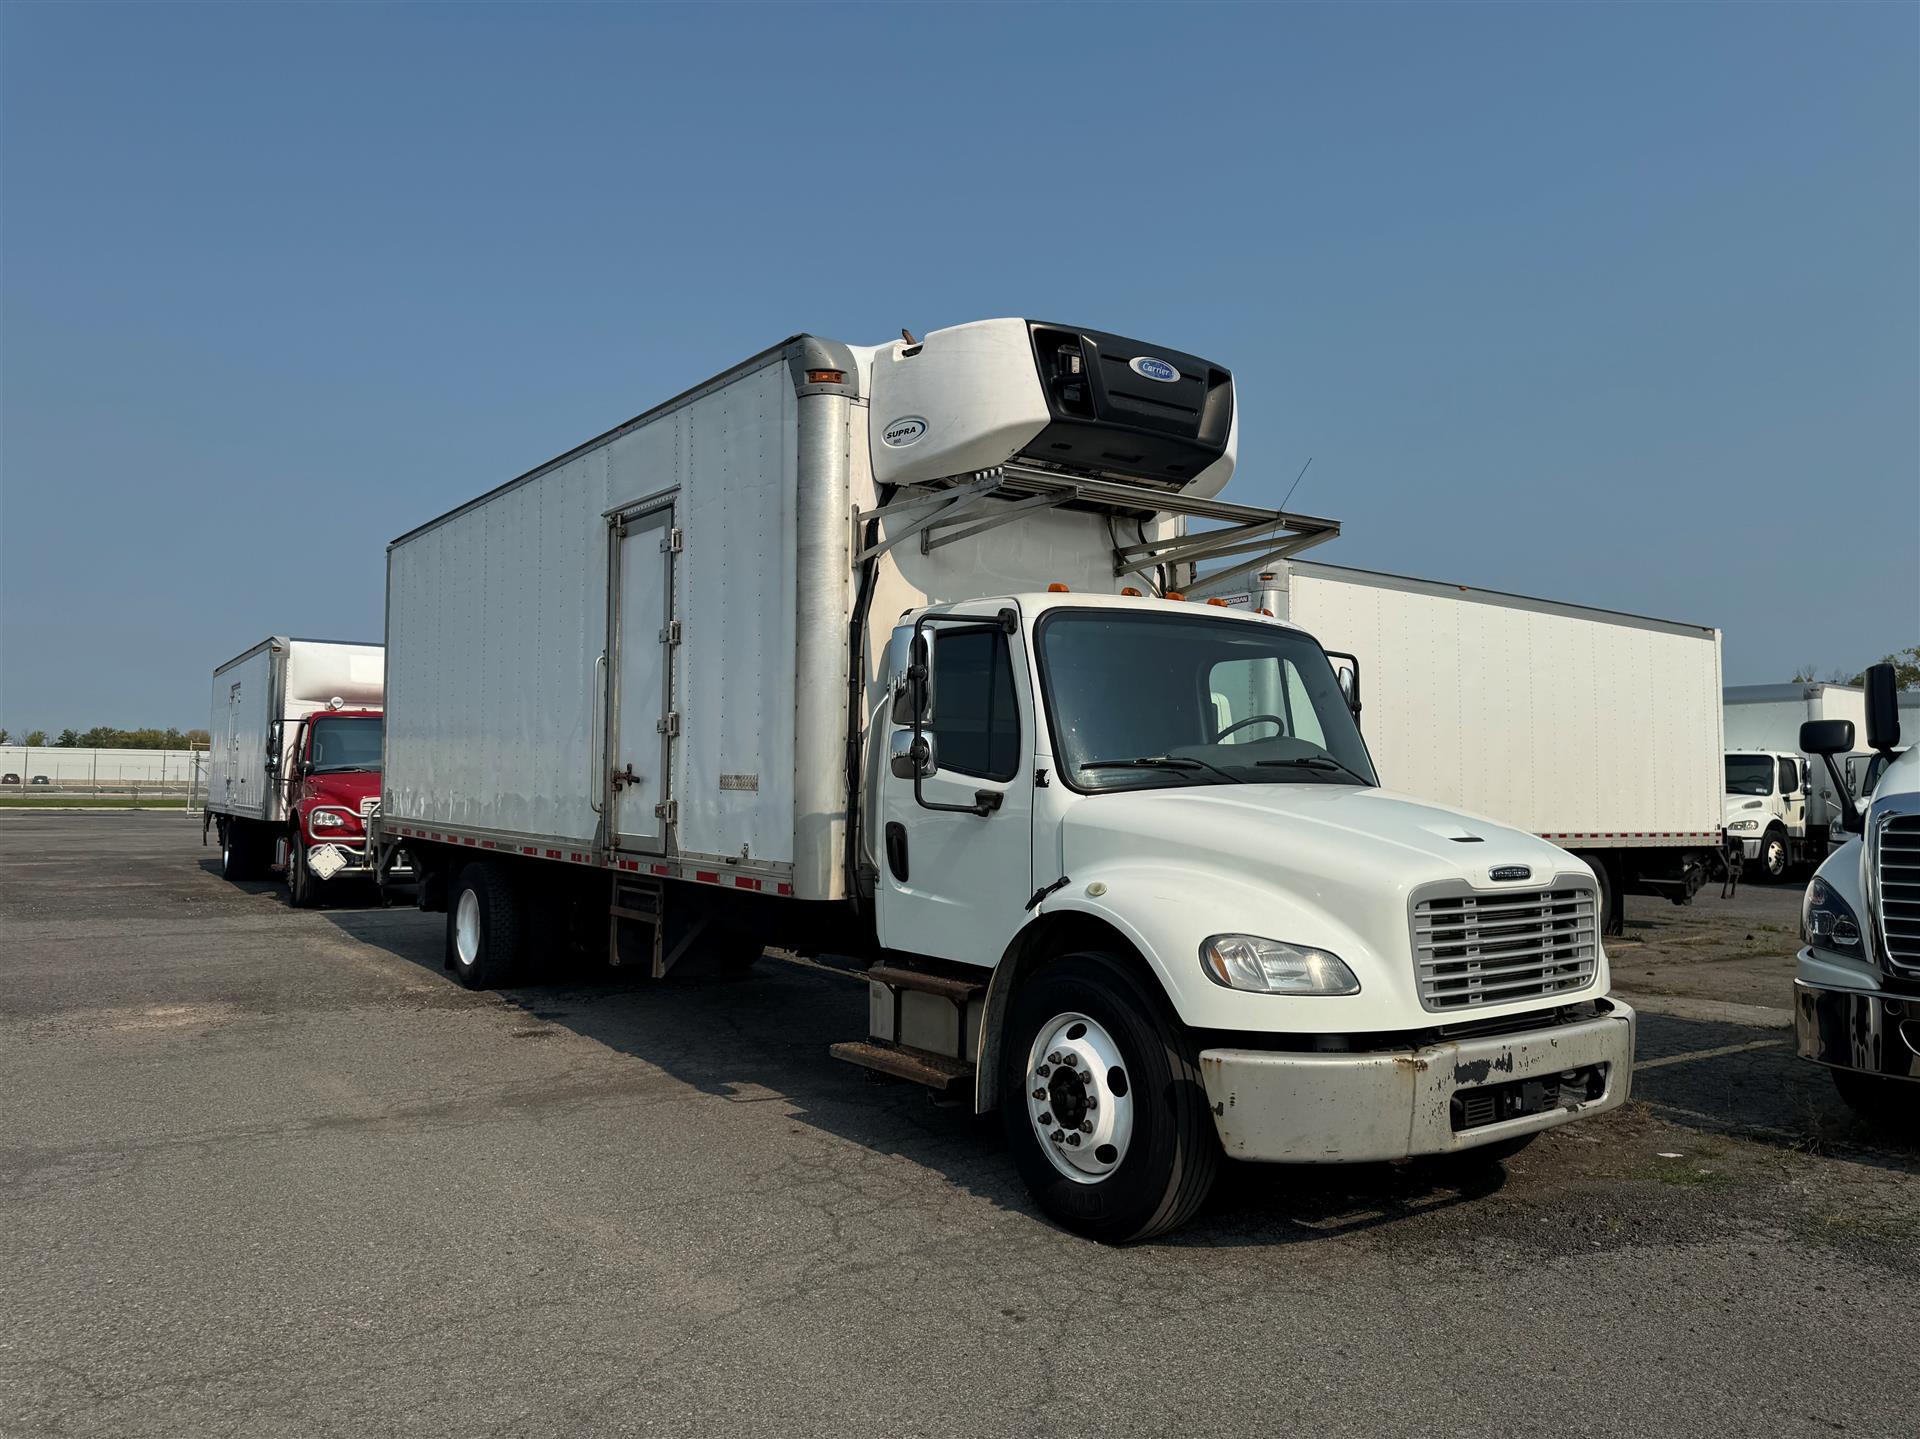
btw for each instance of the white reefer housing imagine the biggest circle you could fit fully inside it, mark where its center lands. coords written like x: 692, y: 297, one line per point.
x: 259, y: 697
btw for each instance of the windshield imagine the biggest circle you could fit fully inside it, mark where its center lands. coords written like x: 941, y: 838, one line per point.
x: 346, y: 744
x: 1749, y: 774
x: 1145, y: 701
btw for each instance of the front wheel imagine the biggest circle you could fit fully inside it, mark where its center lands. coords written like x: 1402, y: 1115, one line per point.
x: 1103, y: 1104
x: 1884, y: 1102
x: 303, y: 887
x: 1774, y: 856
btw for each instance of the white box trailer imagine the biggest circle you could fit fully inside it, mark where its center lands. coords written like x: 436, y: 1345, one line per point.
x: 1781, y: 804
x: 259, y: 698
x: 869, y: 650
x: 1594, y: 729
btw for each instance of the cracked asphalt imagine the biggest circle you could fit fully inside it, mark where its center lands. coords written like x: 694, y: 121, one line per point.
x: 274, y: 1173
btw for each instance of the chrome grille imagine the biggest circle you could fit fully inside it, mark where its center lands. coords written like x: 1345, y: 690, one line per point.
x: 1473, y: 949
x: 1897, y: 886
x: 369, y: 806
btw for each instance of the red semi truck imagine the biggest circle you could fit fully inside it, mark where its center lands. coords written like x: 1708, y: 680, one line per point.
x: 294, y: 765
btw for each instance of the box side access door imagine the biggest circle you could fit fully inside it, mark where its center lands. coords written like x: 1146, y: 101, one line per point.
x: 640, y: 719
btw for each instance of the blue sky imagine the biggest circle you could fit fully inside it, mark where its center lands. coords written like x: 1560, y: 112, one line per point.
x: 1615, y: 305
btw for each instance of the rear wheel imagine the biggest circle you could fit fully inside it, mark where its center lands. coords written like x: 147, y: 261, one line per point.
x: 484, y: 927
x: 238, y: 851
x: 1103, y: 1104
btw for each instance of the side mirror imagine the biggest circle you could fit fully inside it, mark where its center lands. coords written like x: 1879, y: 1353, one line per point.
x: 273, y: 763
x: 910, y: 757
x: 913, y: 690
x: 1826, y: 736
x: 1883, y: 708
x: 1348, y: 679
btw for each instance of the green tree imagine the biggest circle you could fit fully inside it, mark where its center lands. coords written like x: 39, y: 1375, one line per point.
x: 69, y: 739
x: 36, y: 738
x: 1906, y: 669
x: 6, y: 736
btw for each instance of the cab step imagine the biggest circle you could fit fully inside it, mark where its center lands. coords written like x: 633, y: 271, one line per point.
x: 922, y: 981
x: 918, y: 1066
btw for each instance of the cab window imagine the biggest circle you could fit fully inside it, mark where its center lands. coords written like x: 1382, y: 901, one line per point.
x: 976, y: 712
x: 1245, y: 689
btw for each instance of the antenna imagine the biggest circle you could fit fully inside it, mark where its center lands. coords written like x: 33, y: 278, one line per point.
x: 1296, y: 482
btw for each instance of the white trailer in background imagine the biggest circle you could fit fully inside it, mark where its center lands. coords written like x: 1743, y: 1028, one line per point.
x: 259, y: 698
x: 1781, y: 804
x: 1597, y: 730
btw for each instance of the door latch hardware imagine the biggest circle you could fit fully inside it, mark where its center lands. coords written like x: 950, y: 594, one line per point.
x: 670, y: 725
x: 672, y: 541
x: 626, y: 776
x: 669, y: 810
x: 671, y: 634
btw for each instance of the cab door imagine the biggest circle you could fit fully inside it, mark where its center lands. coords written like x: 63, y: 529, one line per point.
x: 1793, y: 795
x: 956, y: 862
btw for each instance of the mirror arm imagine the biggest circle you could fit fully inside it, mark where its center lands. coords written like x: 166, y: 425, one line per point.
x: 1851, y: 820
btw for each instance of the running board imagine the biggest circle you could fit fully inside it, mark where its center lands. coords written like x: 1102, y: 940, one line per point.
x: 917, y: 1066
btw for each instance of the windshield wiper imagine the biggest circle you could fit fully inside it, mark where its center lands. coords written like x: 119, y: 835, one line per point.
x: 1314, y: 761
x: 1162, y: 761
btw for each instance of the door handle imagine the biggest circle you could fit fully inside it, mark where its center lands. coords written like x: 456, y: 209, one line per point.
x: 626, y: 776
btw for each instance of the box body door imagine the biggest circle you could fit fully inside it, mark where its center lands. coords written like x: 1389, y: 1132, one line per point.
x: 640, y: 731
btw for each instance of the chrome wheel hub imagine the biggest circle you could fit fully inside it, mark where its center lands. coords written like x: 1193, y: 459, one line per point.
x: 1079, y: 1098
x: 466, y: 928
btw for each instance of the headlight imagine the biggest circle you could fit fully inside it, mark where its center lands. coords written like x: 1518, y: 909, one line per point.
x: 328, y: 819
x: 1828, y: 921
x: 1745, y: 824
x: 1268, y: 966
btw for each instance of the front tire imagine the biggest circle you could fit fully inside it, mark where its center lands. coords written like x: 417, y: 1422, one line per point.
x: 1093, y: 1055
x: 303, y: 888
x: 1889, y: 1104
x: 1775, y: 856
x: 485, y: 927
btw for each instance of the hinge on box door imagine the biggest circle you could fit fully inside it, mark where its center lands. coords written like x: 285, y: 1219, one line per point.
x: 669, y: 810
x: 672, y: 541
x: 671, y: 724
x: 671, y: 634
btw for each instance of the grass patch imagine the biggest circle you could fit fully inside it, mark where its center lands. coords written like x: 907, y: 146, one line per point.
x: 87, y: 801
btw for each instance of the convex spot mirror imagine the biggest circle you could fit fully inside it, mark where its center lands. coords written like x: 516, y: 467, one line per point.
x: 910, y: 756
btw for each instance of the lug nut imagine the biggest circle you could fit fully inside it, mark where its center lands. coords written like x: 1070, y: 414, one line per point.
x: 1086, y: 1076
x: 1073, y: 1139
x: 1060, y: 1134
x: 1086, y: 1126
x: 1044, y: 1070
x: 1046, y: 1118
x: 1040, y: 1093
x: 1054, y: 1058
x: 1092, y: 1103
x: 1070, y: 1059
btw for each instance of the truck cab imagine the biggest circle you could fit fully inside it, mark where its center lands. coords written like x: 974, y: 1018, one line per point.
x: 1766, y: 810
x: 1157, y: 825
x: 333, y: 760
x: 1857, y: 977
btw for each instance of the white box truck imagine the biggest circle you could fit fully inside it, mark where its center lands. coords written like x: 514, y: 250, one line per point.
x: 1783, y: 806
x: 869, y: 651
x: 1594, y: 729
x: 293, y: 762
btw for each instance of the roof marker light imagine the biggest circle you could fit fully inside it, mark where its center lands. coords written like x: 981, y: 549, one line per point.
x: 826, y: 377
x: 1056, y: 588
x: 1216, y: 600
x: 1173, y: 595
x: 1267, y: 613
x: 1130, y: 592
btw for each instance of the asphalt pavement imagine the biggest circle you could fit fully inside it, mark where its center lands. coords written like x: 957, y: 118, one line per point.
x: 266, y: 1172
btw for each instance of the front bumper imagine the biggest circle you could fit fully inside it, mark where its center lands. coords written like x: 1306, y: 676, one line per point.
x: 1396, y: 1104
x: 1857, y: 1029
